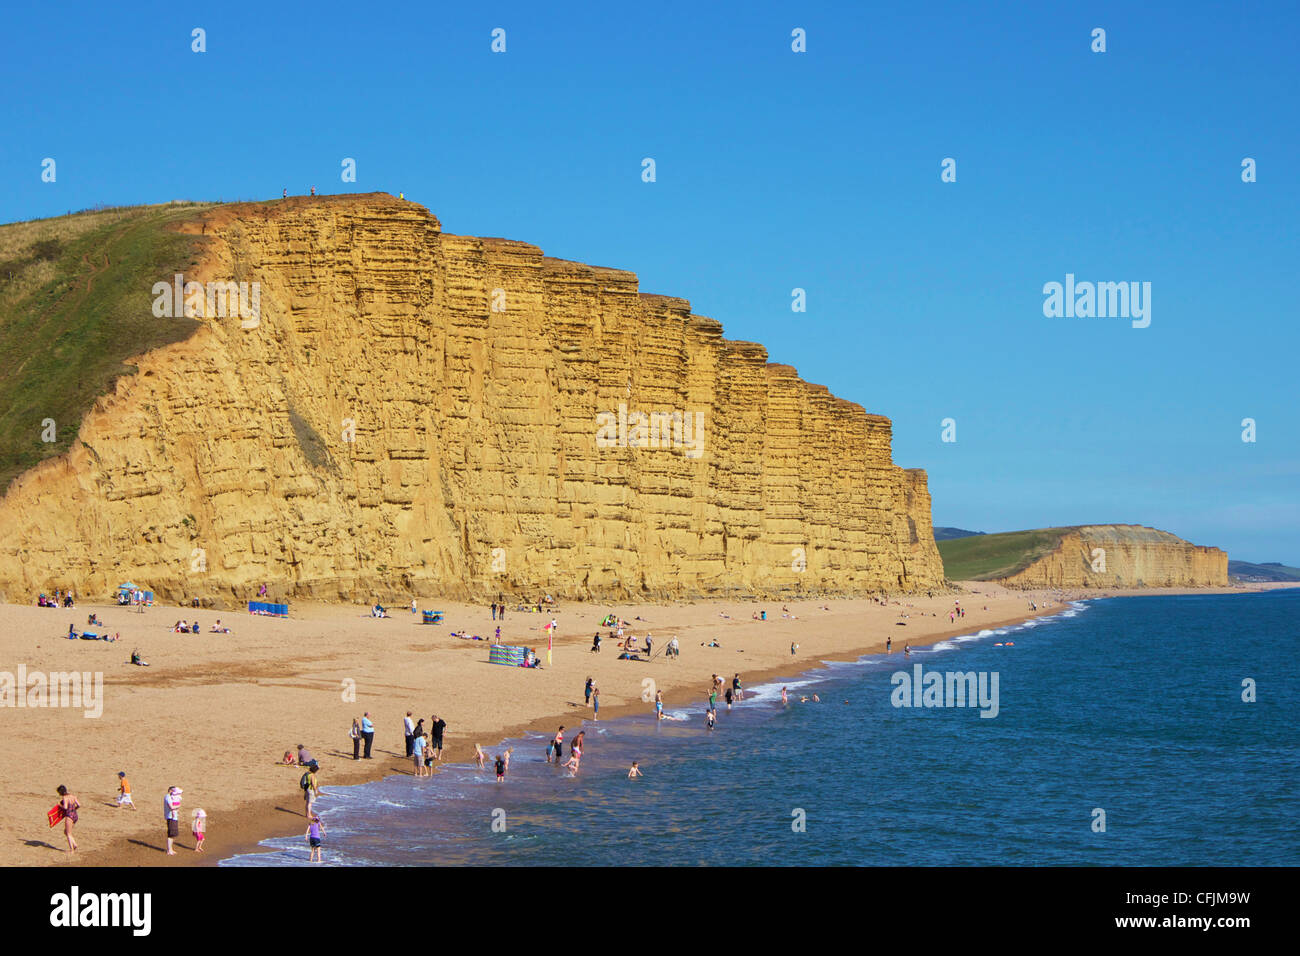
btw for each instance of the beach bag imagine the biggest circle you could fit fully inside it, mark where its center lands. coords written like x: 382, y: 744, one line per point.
x: 55, y: 814
x: 305, y: 782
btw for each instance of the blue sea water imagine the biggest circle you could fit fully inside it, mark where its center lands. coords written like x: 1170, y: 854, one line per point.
x: 1132, y: 706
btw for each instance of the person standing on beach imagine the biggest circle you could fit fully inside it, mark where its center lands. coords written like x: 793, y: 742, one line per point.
x: 367, y: 732
x: 199, y: 827
x: 437, y: 728
x: 659, y: 705
x: 793, y: 647
x: 501, y: 612
x: 713, y: 692
x: 595, y: 703
x: 889, y: 642
x: 501, y: 769
x: 355, y: 734
x: 68, y: 807
x: 408, y: 727
x: 586, y: 692
x: 172, y: 814
x: 310, y: 791
x: 417, y: 754
x: 735, y: 688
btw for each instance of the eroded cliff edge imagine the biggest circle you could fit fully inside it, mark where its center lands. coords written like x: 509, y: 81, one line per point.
x: 1103, y: 556
x: 416, y: 411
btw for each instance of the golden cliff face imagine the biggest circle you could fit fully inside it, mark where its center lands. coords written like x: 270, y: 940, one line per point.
x: 1129, y: 556
x: 458, y: 416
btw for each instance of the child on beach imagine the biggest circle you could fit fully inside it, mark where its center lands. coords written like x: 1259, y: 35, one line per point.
x: 659, y: 706
x: 634, y: 772
x: 710, y: 716
x: 480, y: 756
x: 595, y: 703
x: 288, y: 759
x: 124, y: 791
x: 199, y: 827
x: 315, y: 833
x: 784, y: 697
x: 501, y: 769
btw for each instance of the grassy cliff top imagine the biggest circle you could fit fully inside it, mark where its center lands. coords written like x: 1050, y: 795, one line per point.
x: 987, y: 557
x: 75, y: 303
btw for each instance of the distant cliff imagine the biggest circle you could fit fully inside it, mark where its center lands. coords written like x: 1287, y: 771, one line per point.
x: 416, y: 411
x: 1086, y: 556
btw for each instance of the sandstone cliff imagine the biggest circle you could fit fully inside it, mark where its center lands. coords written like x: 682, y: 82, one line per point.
x: 417, y: 411
x: 1103, y: 556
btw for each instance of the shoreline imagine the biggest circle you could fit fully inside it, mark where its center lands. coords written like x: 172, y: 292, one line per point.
x: 271, y: 814
x: 243, y: 825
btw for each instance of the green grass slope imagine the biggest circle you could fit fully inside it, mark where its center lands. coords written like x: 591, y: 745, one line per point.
x: 987, y: 557
x: 75, y: 302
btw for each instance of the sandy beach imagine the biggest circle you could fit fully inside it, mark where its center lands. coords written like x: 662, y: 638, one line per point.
x: 214, y: 713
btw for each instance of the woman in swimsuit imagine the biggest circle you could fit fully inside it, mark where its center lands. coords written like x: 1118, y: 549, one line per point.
x: 69, y: 805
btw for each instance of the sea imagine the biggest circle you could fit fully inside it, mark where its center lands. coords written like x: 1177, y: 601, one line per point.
x: 1134, y: 731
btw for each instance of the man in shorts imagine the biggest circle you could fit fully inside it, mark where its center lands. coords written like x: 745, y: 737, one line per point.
x: 436, y: 729
x: 171, y: 812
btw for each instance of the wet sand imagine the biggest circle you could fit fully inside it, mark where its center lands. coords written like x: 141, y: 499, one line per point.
x: 214, y: 713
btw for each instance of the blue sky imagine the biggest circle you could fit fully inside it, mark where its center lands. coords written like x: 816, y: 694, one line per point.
x: 778, y: 170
